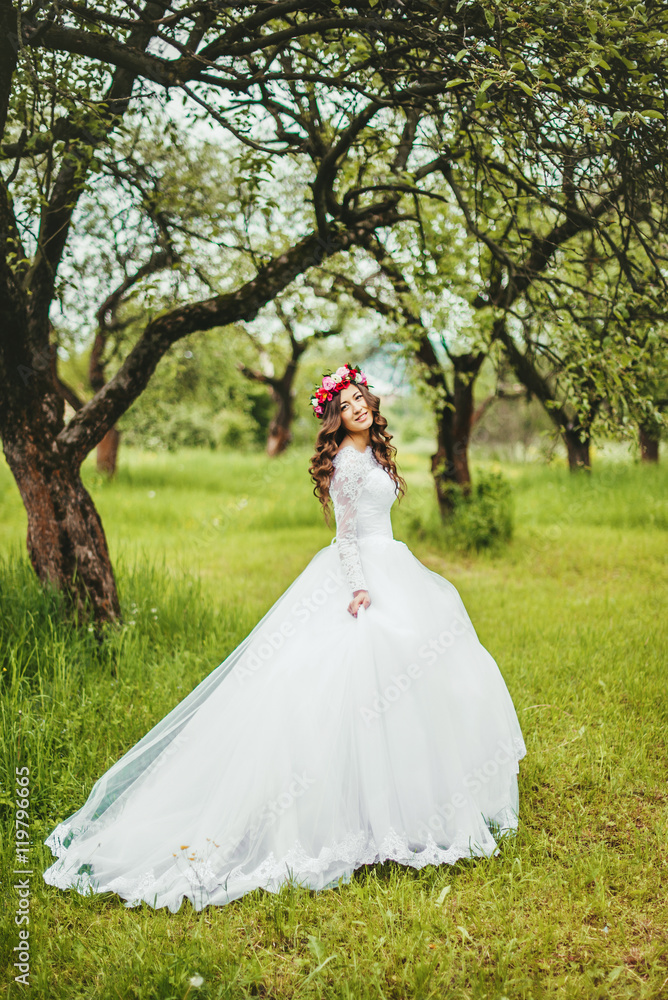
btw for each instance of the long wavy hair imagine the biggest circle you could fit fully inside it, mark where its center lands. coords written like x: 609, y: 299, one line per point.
x: 332, y: 433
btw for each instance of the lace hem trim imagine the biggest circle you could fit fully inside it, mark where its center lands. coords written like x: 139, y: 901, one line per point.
x: 198, y: 880
x: 202, y: 879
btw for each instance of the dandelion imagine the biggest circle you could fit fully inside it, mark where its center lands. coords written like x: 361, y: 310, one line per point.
x: 196, y: 981
x: 151, y: 494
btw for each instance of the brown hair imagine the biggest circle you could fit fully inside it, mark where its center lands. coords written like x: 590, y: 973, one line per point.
x: 332, y: 433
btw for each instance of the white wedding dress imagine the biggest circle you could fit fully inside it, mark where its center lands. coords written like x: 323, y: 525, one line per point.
x: 321, y: 743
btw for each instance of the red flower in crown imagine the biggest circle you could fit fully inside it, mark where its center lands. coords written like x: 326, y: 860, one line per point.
x: 334, y: 382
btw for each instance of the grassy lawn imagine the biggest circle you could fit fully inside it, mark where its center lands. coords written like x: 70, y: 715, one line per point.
x: 573, y: 610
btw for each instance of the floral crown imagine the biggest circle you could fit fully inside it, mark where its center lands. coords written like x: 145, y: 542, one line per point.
x: 334, y: 382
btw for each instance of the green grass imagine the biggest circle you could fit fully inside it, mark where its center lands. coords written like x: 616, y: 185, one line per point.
x: 574, y: 611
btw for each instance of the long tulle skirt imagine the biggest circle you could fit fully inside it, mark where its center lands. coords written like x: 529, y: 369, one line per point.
x: 321, y: 743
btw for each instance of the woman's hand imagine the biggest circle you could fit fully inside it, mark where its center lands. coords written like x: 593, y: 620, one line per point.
x: 360, y: 598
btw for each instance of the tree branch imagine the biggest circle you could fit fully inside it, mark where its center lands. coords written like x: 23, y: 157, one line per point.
x: 256, y: 376
x: 529, y: 376
x: 8, y: 56
x: 91, y: 423
x: 106, y: 49
x: 323, y: 196
x: 70, y: 182
x: 68, y: 394
x: 106, y: 312
x: 516, y: 392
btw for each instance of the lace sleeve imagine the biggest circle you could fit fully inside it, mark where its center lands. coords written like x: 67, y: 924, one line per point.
x: 350, y: 472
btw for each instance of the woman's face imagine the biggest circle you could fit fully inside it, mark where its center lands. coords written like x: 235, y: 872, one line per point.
x: 356, y: 413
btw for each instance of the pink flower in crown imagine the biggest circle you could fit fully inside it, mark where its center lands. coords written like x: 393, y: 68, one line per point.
x: 334, y: 383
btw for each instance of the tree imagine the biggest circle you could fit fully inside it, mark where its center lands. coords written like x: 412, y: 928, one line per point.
x: 653, y: 375
x: 401, y: 290
x: 282, y: 387
x: 568, y: 202
x: 553, y: 158
x: 367, y: 103
x: 265, y: 74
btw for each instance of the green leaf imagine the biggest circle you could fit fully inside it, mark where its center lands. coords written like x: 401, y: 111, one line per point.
x: 443, y: 893
x: 616, y: 973
x: 525, y: 87
x: 489, y: 17
x: 618, y: 117
x: 460, y: 55
x: 455, y: 82
x: 650, y: 113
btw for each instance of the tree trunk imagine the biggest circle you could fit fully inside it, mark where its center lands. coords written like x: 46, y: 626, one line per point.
x: 107, y: 449
x: 442, y: 470
x: 578, y: 451
x: 107, y: 452
x: 282, y: 393
x: 66, y: 541
x: 450, y: 463
x: 649, y: 444
x: 280, y: 432
x: 574, y: 436
x: 466, y: 367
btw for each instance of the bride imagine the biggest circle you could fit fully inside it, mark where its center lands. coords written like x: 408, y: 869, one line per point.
x: 361, y: 720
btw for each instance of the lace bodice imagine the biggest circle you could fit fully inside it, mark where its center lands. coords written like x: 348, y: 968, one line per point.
x: 363, y: 493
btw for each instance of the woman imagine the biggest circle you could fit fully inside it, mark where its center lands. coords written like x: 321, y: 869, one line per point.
x: 359, y: 721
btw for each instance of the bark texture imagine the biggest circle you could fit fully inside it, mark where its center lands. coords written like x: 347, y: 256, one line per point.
x: 66, y: 542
